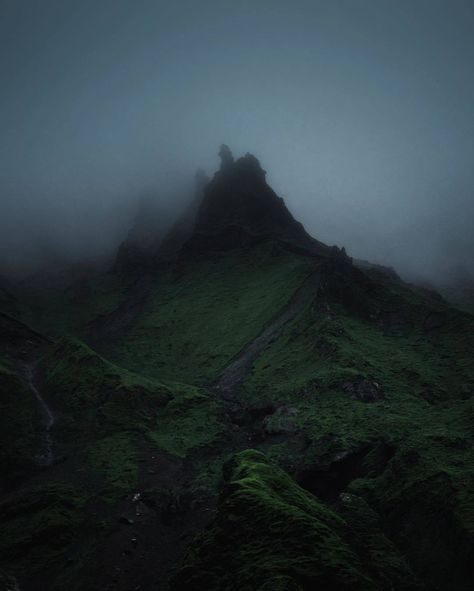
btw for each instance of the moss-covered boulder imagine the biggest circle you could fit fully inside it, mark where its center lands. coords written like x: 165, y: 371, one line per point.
x: 269, y: 533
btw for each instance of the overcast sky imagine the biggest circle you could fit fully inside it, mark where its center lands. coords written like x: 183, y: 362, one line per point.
x: 361, y: 111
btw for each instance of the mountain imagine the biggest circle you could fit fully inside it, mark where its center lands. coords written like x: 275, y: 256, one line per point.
x: 250, y: 409
x: 239, y: 208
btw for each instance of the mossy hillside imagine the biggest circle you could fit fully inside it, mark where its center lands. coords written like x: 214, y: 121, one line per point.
x: 51, y: 535
x: 101, y: 463
x: 94, y: 395
x: 202, y: 313
x: 96, y: 398
x: 271, y: 534
x: 323, y: 348
x: 39, y: 527
x: 20, y: 422
x: 426, y: 415
x: 114, y: 458
x: 424, y: 370
x: 188, y: 422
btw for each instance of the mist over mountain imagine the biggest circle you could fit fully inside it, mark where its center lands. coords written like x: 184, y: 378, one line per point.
x: 361, y: 111
x: 236, y: 295
x: 231, y: 403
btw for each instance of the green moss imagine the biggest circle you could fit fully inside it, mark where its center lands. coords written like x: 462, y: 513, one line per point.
x: 426, y: 414
x: 95, y: 394
x: 114, y: 458
x: 187, y: 423
x: 20, y: 422
x: 200, y: 315
x: 269, y: 533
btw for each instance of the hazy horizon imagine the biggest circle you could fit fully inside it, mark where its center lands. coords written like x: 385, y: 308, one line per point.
x: 361, y: 113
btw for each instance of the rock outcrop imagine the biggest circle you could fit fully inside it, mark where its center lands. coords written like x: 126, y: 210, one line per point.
x: 268, y: 533
x: 240, y: 208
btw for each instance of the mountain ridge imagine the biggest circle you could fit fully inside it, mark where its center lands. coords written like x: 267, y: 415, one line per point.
x: 255, y: 389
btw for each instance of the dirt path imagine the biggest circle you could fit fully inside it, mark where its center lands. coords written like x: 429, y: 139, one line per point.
x: 233, y: 375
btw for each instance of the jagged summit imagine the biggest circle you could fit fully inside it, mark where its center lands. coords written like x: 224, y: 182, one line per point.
x: 239, y: 207
x: 235, y: 208
x: 239, y: 195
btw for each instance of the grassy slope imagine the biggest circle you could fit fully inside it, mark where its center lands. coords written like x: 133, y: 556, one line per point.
x: 427, y: 413
x: 104, y: 413
x: 200, y: 316
x: 96, y: 396
x: 270, y: 534
x: 93, y: 393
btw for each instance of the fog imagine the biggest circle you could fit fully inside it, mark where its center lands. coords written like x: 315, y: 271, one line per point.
x: 359, y: 110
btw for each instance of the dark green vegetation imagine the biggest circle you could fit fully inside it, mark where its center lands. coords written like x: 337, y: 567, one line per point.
x: 271, y: 534
x: 203, y: 312
x: 19, y: 434
x: 340, y: 458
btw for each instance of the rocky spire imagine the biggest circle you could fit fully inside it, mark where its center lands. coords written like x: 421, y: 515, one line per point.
x: 239, y: 207
x: 227, y: 159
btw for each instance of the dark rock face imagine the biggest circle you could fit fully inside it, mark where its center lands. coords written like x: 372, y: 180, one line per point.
x: 153, y: 238
x: 363, y: 389
x: 227, y: 159
x: 239, y: 203
x: 330, y: 476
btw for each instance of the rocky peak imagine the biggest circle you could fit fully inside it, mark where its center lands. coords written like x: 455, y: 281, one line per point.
x: 238, y: 202
x: 235, y: 208
x: 250, y: 167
